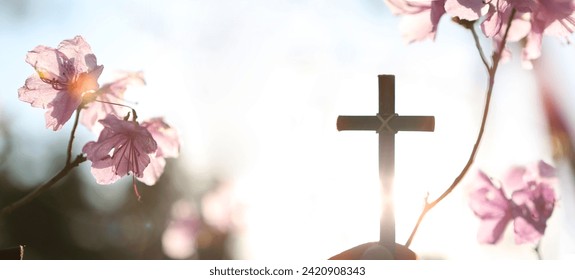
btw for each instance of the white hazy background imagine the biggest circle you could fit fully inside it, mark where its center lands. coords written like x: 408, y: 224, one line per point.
x: 255, y: 88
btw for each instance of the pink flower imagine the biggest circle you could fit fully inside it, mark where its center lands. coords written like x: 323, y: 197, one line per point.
x: 536, y: 18
x: 496, y: 23
x: 109, y: 93
x: 549, y: 17
x: 179, y: 240
x: 420, y: 18
x: 168, y: 147
x: 533, y: 19
x: 122, y: 147
x: 62, y: 77
x: 533, y: 198
x: 534, y: 206
x: 490, y: 205
x: 530, y: 206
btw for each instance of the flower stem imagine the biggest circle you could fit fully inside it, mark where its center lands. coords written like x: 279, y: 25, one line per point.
x: 48, y: 184
x: 479, y: 48
x: 537, y: 250
x: 72, y: 135
x: 42, y: 188
x: 491, y: 82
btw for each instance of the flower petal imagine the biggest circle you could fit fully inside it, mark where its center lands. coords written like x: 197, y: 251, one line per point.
x: 153, y: 171
x: 526, y: 232
x: 493, y: 22
x: 491, y: 230
x: 545, y: 171
x: 168, y: 142
x: 490, y: 205
x: 534, y: 206
x: 464, y: 9
x: 514, y: 179
x: 420, y: 18
x: 166, y: 136
x: 105, y: 176
x: 80, y: 53
x: 61, y: 109
x: 486, y: 200
x: 36, y: 92
x: 109, y: 93
x: 122, y: 147
x: 47, y: 62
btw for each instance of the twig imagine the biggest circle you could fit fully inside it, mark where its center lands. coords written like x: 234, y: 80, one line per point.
x: 491, y: 71
x: 72, y: 135
x: 65, y: 170
x: 479, y: 48
x: 537, y: 250
x: 42, y: 188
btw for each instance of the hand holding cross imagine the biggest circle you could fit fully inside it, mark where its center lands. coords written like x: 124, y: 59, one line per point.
x: 386, y: 123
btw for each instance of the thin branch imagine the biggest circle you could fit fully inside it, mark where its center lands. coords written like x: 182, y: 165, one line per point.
x: 72, y: 135
x: 537, y: 250
x: 492, y: 71
x: 42, y: 188
x: 479, y: 48
x: 497, y: 54
x: 63, y: 172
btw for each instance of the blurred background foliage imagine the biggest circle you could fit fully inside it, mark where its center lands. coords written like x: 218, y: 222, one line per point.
x: 63, y: 224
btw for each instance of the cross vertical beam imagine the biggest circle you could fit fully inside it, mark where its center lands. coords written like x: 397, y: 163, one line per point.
x: 386, y: 123
x: 387, y: 162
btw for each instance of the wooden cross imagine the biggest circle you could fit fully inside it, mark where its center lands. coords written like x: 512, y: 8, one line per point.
x: 386, y: 123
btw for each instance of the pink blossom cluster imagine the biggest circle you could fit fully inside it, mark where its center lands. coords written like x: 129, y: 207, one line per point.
x: 66, y: 81
x: 525, y: 196
x: 531, y: 20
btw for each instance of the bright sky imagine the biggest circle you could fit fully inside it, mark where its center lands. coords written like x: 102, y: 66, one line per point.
x: 255, y: 88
